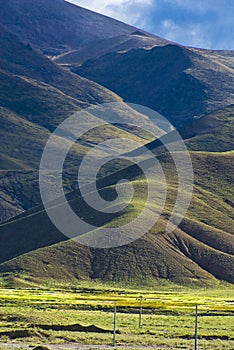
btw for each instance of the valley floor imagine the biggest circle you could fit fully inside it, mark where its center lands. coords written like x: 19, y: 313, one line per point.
x: 39, y: 316
x: 80, y: 347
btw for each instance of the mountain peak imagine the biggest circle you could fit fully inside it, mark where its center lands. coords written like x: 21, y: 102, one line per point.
x: 57, y: 25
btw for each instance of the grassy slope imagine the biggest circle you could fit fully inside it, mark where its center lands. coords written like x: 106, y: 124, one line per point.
x: 224, y: 57
x: 50, y: 91
x: 37, y: 89
x: 213, y: 133
x: 201, y: 248
x: 22, y: 146
x: 22, y: 143
x: 35, y: 96
x: 201, y: 245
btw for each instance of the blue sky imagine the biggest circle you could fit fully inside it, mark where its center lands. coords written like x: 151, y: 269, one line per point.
x: 200, y: 23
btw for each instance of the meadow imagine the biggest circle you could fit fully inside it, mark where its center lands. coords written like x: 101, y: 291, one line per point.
x: 28, y: 316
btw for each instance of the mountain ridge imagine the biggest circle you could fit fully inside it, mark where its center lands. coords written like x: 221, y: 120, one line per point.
x: 205, y: 242
x: 58, y: 19
x: 38, y: 91
x: 180, y: 83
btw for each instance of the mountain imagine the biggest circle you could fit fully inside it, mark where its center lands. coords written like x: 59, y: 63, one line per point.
x: 70, y: 34
x: 178, y: 82
x: 56, y: 26
x: 36, y: 95
x: 57, y: 58
x: 181, y: 82
x: 41, y: 89
x: 125, y: 42
x: 199, y: 250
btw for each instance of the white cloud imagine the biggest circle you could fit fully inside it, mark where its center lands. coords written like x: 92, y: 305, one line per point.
x: 98, y: 5
x: 128, y: 11
x: 190, y: 34
x: 202, y: 23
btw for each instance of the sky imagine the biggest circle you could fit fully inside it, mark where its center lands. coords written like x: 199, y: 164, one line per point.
x: 200, y: 23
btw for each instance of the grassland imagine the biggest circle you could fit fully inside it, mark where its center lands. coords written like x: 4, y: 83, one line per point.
x: 199, y: 251
x: 167, y: 319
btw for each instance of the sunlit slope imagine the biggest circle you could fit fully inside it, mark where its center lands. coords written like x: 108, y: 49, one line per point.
x: 22, y: 145
x: 201, y: 249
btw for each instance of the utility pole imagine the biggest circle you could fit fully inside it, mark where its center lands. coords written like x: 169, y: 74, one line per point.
x: 140, y: 312
x: 114, y: 332
x: 196, y: 329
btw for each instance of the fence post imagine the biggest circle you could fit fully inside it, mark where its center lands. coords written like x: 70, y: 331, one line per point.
x: 114, y: 331
x: 140, y: 312
x: 196, y: 329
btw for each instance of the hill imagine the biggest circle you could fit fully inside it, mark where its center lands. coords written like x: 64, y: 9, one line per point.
x: 57, y: 58
x: 126, y: 42
x: 199, y: 251
x: 36, y: 95
x: 176, y: 81
x: 34, y: 87
x: 56, y: 26
x: 123, y: 58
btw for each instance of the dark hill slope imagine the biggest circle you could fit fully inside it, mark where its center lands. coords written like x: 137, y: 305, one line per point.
x: 101, y: 47
x: 35, y: 96
x: 37, y: 89
x: 22, y: 143
x: 214, y: 133
x: 172, y: 80
x: 201, y: 249
x: 179, y: 82
x: 176, y: 81
x: 70, y: 32
x: 55, y: 25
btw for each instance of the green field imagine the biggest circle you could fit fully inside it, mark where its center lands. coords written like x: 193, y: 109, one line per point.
x: 167, y: 316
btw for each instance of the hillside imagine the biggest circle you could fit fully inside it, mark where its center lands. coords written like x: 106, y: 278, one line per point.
x: 56, y: 26
x: 175, y: 81
x: 200, y: 249
x: 135, y: 39
x: 122, y: 58
x: 37, y: 89
x: 36, y: 95
x: 56, y: 59
x: 212, y: 132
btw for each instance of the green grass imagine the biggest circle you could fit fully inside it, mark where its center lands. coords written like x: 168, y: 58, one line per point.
x: 168, y: 314
x: 199, y: 252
